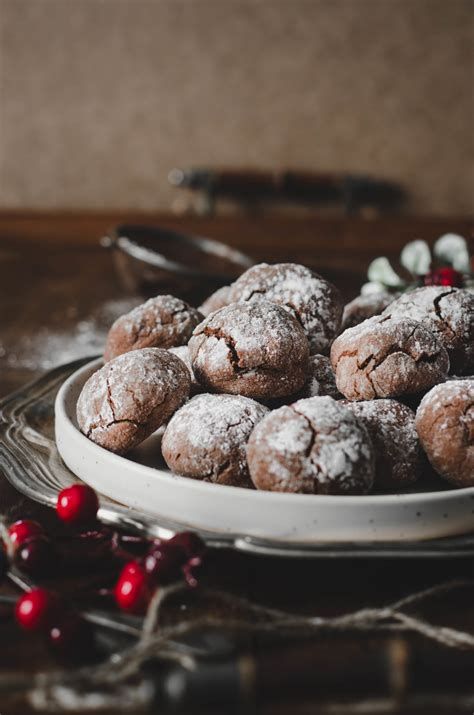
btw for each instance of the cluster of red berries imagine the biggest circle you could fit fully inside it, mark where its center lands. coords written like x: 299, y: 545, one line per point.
x: 160, y: 563
x: 164, y: 563
x: 444, y: 276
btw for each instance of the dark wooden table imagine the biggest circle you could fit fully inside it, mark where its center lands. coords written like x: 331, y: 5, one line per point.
x: 58, y: 289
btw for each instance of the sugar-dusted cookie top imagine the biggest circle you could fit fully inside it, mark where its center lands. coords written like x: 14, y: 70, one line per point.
x: 398, y: 453
x: 314, y: 446
x: 449, y: 313
x: 254, y: 349
x: 445, y: 424
x: 387, y: 357
x: 131, y: 396
x: 316, y: 303
x: 206, y: 438
x: 161, y: 322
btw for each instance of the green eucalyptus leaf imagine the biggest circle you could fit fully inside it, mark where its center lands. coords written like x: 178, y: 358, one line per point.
x: 452, y: 249
x: 380, y: 271
x: 416, y: 258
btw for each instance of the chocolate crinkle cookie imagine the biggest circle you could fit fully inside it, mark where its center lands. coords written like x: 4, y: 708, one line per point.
x: 445, y: 424
x: 365, y: 306
x: 398, y: 453
x: 314, y: 302
x: 449, y: 313
x: 254, y: 349
x: 130, y: 397
x: 161, y: 322
x: 387, y: 357
x: 314, y: 446
x: 206, y: 438
x: 218, y: 299
x: 182, y: 351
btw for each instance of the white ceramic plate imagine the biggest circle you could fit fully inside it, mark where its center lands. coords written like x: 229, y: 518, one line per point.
x: 215, y: 508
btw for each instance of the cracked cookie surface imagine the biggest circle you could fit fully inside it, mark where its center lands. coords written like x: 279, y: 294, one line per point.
x: 314, y: 446
x: 387, y: 357
x: 449, y: 313
x: 161, y: 322
x: 206, y: 438
x: 398, y: 453
x: 445, y: 424
x: 130, y: 397
x: 254, y: 349
x: 314, y: 302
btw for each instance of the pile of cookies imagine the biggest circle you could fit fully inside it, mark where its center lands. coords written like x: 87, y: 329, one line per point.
x: 274, y: 384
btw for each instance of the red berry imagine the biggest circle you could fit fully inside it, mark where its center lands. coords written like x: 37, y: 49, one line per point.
x: 445, y: 276
x: 24, y: 529
x: 35, y: 609
x: 77, y: 505
x: 190, y: 542
x: 132, y: 591
x: 164, y: 561
x: 70, y: 636
x: 35, y: 556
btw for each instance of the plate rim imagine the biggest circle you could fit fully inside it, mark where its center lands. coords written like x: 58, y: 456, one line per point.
x: 250, y: 494
x: 17, y: 449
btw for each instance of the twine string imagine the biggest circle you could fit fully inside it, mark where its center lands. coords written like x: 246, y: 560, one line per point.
x: 162, y: 641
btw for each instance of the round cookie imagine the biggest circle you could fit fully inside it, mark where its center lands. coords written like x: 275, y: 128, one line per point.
x: 445, y: 424
x: 365, y: 306
x: 449, y: 313
x: 216, y: 300
x: 254, y: 349
x: 386, y: 357
x: 398, y: 454
x: 316, y: 304
x: 130, y: 397
x: 161, y: 322
x: 206, y: 438
x: 320, y: 379
x: 182, y: 351
x: 314, y: 446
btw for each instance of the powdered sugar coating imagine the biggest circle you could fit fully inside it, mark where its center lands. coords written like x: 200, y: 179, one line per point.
x: 314, y: 446
x: 365, y: 306
x: 386, y: 357
x: 398, y: 454
x: 316, y: 303
x: 130, y: 397
x: 449, y: 313
x: 445, y: 424
x: 161, y: 322
x: 216, y: 300
x: 182, y: 351
x: 206, y: 438
x: 255, y: 349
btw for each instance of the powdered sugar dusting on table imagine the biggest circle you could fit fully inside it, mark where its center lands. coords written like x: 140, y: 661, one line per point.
x: 48, y: 347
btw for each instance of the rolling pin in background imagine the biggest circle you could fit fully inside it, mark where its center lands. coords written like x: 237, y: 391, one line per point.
x: 354, y: 192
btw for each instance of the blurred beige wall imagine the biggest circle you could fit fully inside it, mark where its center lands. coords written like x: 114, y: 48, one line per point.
x: 100, y: 98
